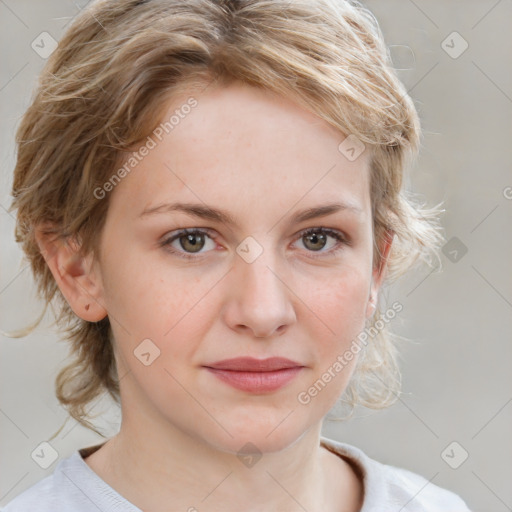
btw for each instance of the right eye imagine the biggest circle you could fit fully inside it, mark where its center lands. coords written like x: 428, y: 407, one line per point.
x: 192, y: 240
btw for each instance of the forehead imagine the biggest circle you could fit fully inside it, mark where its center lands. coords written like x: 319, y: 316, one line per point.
x: 245, y: 148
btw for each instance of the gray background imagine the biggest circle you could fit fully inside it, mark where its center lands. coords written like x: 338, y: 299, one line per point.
x: 456, y: 362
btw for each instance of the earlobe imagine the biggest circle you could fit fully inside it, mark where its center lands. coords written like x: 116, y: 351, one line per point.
x: 75, y: 276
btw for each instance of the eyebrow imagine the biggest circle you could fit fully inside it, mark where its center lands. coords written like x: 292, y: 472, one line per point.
x: 214, y: 214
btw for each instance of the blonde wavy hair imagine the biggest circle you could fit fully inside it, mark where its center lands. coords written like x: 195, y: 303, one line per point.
x: 101, y: 93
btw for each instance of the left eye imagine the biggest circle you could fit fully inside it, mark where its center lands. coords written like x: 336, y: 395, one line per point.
x: 316, y: 239
x: 191, y: 241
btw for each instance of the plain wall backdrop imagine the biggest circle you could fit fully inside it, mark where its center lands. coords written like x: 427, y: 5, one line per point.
x: 452, y: 423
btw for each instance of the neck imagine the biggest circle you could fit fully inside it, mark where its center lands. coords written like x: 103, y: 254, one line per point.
x: 177, y: 472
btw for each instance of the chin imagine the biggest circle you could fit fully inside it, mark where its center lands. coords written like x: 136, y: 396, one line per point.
x: 266, y: 432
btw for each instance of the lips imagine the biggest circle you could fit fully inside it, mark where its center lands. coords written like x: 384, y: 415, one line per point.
x: 255, y: 375
x: 250, y: 364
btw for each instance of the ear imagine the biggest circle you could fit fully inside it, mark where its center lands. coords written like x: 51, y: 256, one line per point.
x: 77, y: 278
x: 379, y: 272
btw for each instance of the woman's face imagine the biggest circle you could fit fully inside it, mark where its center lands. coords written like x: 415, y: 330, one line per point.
x: 255, y: 286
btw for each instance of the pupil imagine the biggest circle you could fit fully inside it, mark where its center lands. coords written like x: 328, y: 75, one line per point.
x: 315, y: 237
x: 190, y: 240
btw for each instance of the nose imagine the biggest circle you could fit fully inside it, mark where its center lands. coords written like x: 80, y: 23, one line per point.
x: 260, y: 302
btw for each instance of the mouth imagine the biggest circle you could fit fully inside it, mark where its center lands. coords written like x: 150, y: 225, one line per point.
x: 255, y: 375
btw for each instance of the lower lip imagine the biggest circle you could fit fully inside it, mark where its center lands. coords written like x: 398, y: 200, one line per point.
x: 257, y: 382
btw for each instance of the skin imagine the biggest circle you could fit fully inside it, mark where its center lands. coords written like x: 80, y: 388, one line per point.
x: 262, y: 159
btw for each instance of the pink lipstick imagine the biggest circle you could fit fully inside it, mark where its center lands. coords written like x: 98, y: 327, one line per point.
x: 255, y: 375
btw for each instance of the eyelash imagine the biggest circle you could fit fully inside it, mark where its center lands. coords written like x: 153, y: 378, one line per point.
x: 342, y: 240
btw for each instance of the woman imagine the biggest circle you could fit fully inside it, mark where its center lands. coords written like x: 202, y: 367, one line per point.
x: 212, y: 191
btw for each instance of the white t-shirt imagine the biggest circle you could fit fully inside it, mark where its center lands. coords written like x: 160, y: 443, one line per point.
x: 75, y: 487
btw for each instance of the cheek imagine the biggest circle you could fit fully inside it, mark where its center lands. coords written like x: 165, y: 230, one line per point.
x: 339, y: 304
x: 145, y: 297
x: 172, y: 309
x: 339, y: 317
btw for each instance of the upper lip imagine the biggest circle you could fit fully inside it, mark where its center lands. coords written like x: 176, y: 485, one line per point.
x: 250, y: 364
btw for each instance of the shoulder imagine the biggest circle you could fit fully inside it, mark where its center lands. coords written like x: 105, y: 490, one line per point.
x: 44, y: 496
x: 393, y: 486
x: 420, y: 494
x: 40, y: 496
x: 72, y: 487
x: 57, y: 491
